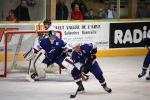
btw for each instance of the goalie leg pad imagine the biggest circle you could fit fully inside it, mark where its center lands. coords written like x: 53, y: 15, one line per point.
x: 41, y: 71
x: 30, y: 55
x: 39, y: 65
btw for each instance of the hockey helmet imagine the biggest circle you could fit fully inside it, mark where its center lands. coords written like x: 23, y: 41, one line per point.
x: 76, y: 47
x: 47, y: 21
x: 75, y: 44
x: 52, y: 34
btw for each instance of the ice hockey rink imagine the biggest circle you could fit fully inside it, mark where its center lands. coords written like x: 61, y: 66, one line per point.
x: 120, y: 73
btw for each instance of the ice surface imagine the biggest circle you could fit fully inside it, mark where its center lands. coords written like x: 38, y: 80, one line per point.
x: 120, y: 73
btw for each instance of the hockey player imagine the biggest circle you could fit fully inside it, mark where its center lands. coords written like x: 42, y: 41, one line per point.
x: 52, y: 50
x: 36, y: 46
x: 47, y: 26
x: 146, y: 62
x: 47, y: 23
x: 84, y: 59
x: 29, y: 56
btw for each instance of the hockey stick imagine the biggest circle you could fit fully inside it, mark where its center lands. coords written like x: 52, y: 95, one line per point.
x: 29, y: 67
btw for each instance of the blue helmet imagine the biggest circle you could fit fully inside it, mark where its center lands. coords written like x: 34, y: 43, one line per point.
x: 47, y: 21
x: 51, y: 33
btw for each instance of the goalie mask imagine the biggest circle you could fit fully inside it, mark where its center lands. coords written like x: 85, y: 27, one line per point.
x: 52, y: 35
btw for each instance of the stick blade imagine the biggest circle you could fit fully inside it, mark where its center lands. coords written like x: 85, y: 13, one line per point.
x: 72, y: 96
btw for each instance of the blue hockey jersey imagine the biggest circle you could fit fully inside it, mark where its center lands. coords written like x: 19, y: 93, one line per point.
x: 53, y: 50
x: 86, y: 50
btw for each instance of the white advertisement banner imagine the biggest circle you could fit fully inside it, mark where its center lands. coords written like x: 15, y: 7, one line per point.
x: 85, y: 32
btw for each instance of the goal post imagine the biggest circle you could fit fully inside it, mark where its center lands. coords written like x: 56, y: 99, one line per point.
x: 16, y: 43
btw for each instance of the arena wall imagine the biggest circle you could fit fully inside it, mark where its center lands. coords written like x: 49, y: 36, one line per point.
x: 113, y: 38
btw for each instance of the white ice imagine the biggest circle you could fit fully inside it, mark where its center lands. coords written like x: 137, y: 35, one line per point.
x: 120, y: 73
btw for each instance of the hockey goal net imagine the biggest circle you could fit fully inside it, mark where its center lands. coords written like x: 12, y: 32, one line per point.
x: 15, y: 44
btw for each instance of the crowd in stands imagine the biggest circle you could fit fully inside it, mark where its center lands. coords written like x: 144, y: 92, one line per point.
x: 21, y: 13
x: 61, y: 10
x: 79, y: 11
x: 11, y: 16
x: 143, y: 11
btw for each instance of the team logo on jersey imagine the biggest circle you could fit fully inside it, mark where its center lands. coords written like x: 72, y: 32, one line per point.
x: 57, y: 43
x: 78, y: 57
x: 51, y: 51
x: 83, y: 51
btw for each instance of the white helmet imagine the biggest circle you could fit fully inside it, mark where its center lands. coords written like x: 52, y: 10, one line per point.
x: 75, y: 44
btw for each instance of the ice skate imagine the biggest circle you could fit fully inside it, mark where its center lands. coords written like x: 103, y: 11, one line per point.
x: 107, y: 89
x: 34, y: 77
x: 148, y: 77
x: 142, y: 74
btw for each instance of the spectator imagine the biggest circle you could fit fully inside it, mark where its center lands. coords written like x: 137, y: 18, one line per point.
x: 82, y: 7
x: 110, y: 12
x: 22, y: 12
x: 102, y: 1
x: 11, y: 16
x: 90, y: 14
x: 76, y: 14
x: 61, y: 10
x: 100, y: 14
x: 142, y: 11
x: 2, y: 16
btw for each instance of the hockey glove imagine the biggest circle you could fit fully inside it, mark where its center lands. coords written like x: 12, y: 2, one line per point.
x: 146, y: 42
x: 85, y: 69
x: 94, y: 51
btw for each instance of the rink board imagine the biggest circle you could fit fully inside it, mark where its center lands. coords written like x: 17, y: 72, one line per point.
x: 106, y: 35
x: 100, y: 53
